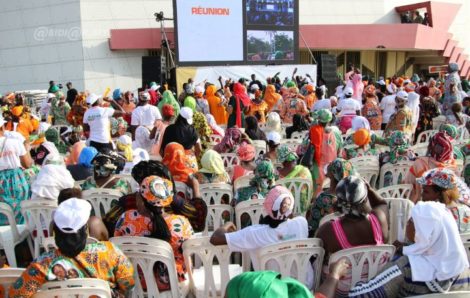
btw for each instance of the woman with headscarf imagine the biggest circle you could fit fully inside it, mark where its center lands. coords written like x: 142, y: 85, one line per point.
x: 399, y: 148
x: 440, y: 155
x: 443, y: 185
x: 363, y: 222
x: 169, y: 99
x: 273, y: 123
x: 325, y: 143
x: 216, y: 105
x: 428, y: 109
x: 252, y: 129
x: 216, y: 129
x: 271, y: 97
x: 238, y: 104
x: 128, y: 106
x: 78, y: 109
x: 402, y: 118
x: 52, y: 135
x: 76, y: 145
x: 84, y: 167
x: 293, y: 105
x: 258, y: 107
x: 371, y: 110
x: 142, y: 139
x: 203, y: 131
x: 149, y: 219
x: 60, y: 109
x: 453, y: 133
x: 213, y: 170
x: 232, y: 139
x: 361, y: 139
x: 325, y: 202
x: 51, y: 179
x: 456, y: 117
x: 246, y: 154
x: 104, y: 170
x: 19, y: 123
x: 434, y: 262
x: 299, y: 124
x: 159, y: 128
x: 263, y: 180
x: 118, y: 126
x: 434, y: 91
x: 124, y: 147
x: 290, y: 169
x: 277, y: 225
x: 357, y: 86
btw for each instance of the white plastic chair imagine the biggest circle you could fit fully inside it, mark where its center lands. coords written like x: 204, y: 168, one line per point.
x: 292, y: 143
x: 230, y: 159
x: 8, y: 276
x: 144, y: 252
x: 328, y: 217
x: 260, y: 147
x: 243, y: 181
x: 466, y: 243
x: 215, y: 139
x: 397, y: 170
x: 215, y: 218
x: 399, y: 211
x: 292, y: 259
x: 78, y: 183
x: 369, y: 173
x: 183, y: 190
x: 396, y: 191
x: 60, y: 128
x: 438, y: 121
x: 368, y: 161
x: 101, y: 199
x: 296, y: 185
x: 420, y: 149
x: 300, y: 135
x: 49, y: 242
x: 378, y: 133
x: 76, y: 288
x: 38, y: 217
x: 12, y: 234
x: 212, y: 193
x: 458, y: 294
x: 377, y: 256
x: 209, y: 280
x: 425, y: 136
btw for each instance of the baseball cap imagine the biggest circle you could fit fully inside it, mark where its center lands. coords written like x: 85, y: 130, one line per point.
x: 348, y: 91
x: 145, y: 96
x: 187, y: 114
x: 199, y: 89
x: 72, y: 215
x: 402, y: 94
x: 50, y: 95
x: 274, y: 136
x: 92, y: 98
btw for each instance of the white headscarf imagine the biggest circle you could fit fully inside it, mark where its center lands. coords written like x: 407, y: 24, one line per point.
x: 142, y: 139
x: 438, y: 252
x: 359, y: 122
x: 51, y: 179
x: 214, y: 125
x: 273, y: 122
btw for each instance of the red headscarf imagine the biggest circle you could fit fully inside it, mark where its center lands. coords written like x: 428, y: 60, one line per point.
x: 240, y: 95
x: 441, y: 148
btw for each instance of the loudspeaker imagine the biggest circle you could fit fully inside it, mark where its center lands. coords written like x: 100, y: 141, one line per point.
x: 151, y: 70
x: 328, y: 71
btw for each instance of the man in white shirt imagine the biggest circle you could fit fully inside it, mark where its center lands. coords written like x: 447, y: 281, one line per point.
x: 387, y: 105
x: 275, y: 227
x: 96, y: 120
x: 413, y: 104
x: 145, y: 114
x: 348, y: 108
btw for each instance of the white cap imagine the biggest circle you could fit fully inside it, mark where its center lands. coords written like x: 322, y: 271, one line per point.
x: 403, y: 95
x: 72, y: 215
x: 199, y: 89
x: 348, y: 91
x: 92, y: 98
x: 145, y: 96
x: 254, y: 87
x: 381, y: 82
x: 274, y: 136
x: 50, y: 95
x: 391, y: 88
x: 187, y: 114
x: 155, y: 87
x: 139, y: 155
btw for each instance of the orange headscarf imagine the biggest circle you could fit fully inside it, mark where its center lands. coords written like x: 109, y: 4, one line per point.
x: 218, y: 111
x: 17, y: 110
x: 271, y: 97
x: 175, y: 159
x: 361, y: 137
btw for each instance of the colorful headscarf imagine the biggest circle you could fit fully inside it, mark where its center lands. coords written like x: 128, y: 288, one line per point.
x: 440, y: 147
x: 286, y: 154
x: 17, y: 111
x: 291, y: 84
x: 231, y: 139
x: 340, y: 168
x: 264, y: 172
x: 190, y: 102
x: 246, y: 152
x: 361, y: 137
x: 214, y: 126
x: 444, y: 178
x: 201, y: 126
x: 212, y: 163
x: 157, y: 191
x: 116, y: 124
x: 271, y: 97
x: 265, y: 284
x: 52, y: 135
x: 323, y: 116
x: 465, y: 85
x: 274, y: 201
x: 351, y: 192
x: 240, y: 95
x: 449, y: 129
x: 124, y: 144
x: 168, y: 98
x: 175, y: 159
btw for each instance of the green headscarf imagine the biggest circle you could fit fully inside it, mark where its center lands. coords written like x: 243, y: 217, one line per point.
x: 399, y: 144
x: 291, y: 84
x: 265, y: 284
x: 322, y: 116
x: 169, y: 99
x: 449, y: 129
x: 264, y: 171
x: 285, y: 154
x: 54, y: 89
x: 190, y: 102
x: 52, y: 135
x: 340, y: 168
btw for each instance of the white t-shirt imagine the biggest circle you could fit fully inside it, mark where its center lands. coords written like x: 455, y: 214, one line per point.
x: 387, y: 105
x: 100, y: 126
x: 413, y: 104
x: 348, y: 106
x: 145, y: 115
x: 10, y: 152
x: 254, y: 237
x: 322, y: 104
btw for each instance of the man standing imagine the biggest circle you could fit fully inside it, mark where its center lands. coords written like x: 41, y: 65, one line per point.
x: 387, y: 105
x: 71, y: 93
x: 401, y: 119
x: 145, y: 114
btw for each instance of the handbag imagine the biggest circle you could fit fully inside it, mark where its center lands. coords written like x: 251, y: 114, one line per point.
x: 307, y: 158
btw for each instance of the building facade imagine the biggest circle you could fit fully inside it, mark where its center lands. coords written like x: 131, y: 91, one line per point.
x: 97, y: 44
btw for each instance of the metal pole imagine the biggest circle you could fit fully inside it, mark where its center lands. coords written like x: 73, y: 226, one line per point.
x: 308, y: 48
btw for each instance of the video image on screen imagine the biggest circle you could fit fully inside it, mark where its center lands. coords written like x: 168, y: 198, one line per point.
x: 270, y: 45
x: 270, y: 12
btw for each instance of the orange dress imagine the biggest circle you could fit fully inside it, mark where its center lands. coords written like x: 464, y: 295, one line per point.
x: 217, y: 110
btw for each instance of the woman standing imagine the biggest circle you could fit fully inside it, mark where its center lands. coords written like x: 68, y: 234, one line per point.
x: 428, y: 109
x: 271, y: 97
x: 371, y: 109
x: 169, y: 99
x: 216, y: 105
x: 238, y: 104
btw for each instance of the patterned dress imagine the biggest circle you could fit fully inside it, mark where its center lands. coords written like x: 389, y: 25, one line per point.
x: 100, y: 260
x: 132, y: 223
x: 372, y: 112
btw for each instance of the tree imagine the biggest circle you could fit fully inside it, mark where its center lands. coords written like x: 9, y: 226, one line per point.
x: 283, y: 42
